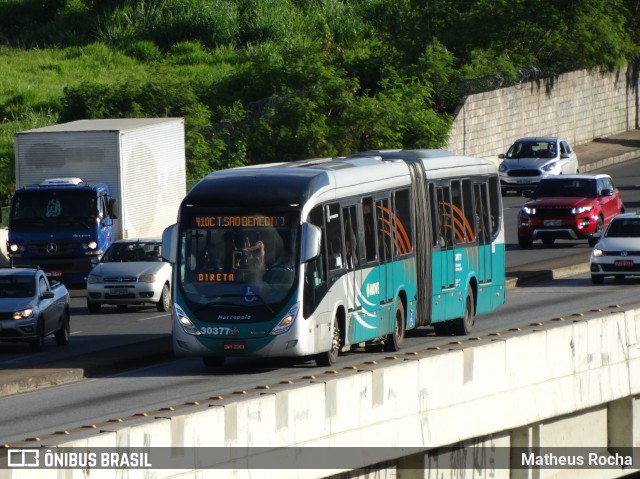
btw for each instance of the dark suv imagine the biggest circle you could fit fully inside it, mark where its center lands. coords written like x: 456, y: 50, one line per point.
x: 570, y: 207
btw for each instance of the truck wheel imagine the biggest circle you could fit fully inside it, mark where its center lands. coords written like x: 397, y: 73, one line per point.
x: 165, y: 299
x: 330, y: 357
x: 94, y: 308
x: 393, y: 341
x: 37, y: 345
x: 62, y: 335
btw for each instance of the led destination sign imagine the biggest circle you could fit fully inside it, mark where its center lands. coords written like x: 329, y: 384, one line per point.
x: 239, y: 221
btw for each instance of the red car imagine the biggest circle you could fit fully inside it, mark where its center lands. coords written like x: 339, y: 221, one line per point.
x: 570, y: 207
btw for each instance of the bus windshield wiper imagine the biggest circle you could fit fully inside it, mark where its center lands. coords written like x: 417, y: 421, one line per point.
x: 226, y: 303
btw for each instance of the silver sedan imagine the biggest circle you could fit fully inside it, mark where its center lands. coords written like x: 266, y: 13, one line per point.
x: 131, y: 272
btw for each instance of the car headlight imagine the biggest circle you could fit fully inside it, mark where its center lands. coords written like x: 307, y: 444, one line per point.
x: 94, y: 278
x: 23, y: 314
x: 286, y: 322
x: 582, y: 209
x: 147, y: 278
x: 550, y: 167
x: 528, y: 210
x: 502, y: 168
x: 597, y: 252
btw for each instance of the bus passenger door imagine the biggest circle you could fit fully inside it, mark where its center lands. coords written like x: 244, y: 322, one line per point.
x: 481, y: 202
x: 352, y: 257
x: 366, y: 318
x: 385, y: 257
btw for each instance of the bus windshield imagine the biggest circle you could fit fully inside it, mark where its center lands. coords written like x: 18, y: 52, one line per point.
x: 239, y: 259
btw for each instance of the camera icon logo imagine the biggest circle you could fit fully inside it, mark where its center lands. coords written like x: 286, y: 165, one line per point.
x: 23, y: 458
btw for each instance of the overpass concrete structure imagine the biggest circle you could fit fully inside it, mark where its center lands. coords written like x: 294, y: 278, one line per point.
x: 465, y: 409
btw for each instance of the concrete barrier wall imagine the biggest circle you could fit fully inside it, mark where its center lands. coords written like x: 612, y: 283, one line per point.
x: 4, y: 259
x: 579, y: 106
x: 569, y: 381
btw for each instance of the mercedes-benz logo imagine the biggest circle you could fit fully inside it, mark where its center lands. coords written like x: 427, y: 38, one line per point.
x: 624, y: 253
x: 52, y: 248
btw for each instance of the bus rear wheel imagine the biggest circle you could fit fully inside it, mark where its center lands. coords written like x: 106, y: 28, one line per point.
x: 330, y: 357
x: 465, y: 323
x: 393, y: 341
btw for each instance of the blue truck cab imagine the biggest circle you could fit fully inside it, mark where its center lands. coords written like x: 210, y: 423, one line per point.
x: 60, y: 224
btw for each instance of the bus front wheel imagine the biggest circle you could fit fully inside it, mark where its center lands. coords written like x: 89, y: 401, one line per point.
x: 330, y: 357
x: 393, y: 341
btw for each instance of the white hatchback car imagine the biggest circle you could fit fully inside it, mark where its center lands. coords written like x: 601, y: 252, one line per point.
x: 618, y: 251
x: 529, y: 160
x: 131, y: 272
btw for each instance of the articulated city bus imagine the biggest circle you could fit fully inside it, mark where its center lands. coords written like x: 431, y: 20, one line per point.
x: 315, y: 257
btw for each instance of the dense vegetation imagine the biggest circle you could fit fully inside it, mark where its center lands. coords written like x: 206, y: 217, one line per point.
x: 277, y: 80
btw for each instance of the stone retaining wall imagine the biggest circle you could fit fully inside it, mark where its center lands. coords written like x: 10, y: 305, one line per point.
x: 579, y: 106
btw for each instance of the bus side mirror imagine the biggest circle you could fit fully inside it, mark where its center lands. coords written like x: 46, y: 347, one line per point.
x: 311, y: 237
x: 170, y: 243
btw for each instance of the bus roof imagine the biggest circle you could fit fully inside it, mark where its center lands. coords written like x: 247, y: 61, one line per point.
x: 276, y: 184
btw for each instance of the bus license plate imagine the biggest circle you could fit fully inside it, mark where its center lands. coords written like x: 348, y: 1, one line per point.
x: 53, y: 274
x: 623, y: 263
x: 233, y: 346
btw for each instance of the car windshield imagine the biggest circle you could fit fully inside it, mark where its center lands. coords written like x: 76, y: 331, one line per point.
x: 532, y: 149
x: 133, y: 251
x: 581, y: 188
x: 624, y: 228
x: 17, y: 287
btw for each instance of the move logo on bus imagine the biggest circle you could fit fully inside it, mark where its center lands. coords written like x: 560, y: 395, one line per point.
x: 373, y: 289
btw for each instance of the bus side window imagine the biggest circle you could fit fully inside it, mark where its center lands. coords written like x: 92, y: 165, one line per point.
x: 368, y: 222
x: 445, y: 230
x: 481, y: 211
x: 334, y: 237
x: 404, y: 241
x: 350, y: 236
x: 495, y: 205
x: 435, y: 225
x: 383, y: 219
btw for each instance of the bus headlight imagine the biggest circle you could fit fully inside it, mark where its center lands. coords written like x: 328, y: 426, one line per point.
x: 286, y: 322
x: 186, y: 324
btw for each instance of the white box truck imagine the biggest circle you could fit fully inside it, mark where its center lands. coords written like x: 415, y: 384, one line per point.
x: 84, y: 184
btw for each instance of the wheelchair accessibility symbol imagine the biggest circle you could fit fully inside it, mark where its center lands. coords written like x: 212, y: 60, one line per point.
x: 250, y: 294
